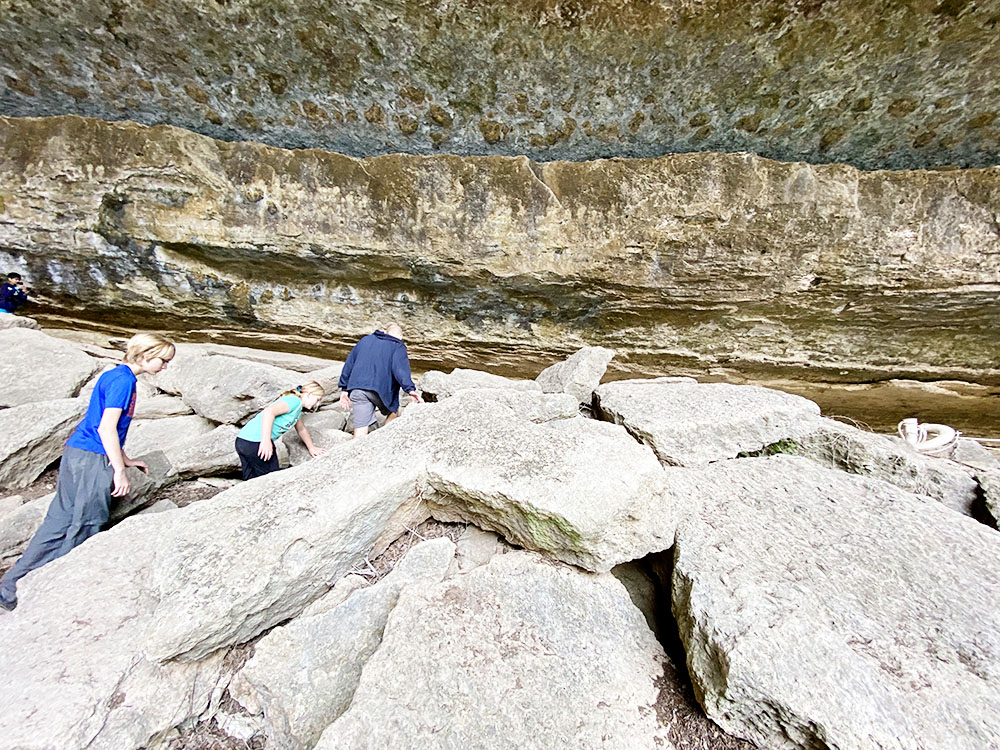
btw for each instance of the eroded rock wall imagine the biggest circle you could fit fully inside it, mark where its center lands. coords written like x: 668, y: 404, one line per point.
x: 875, y: 84
x: 687, y: 261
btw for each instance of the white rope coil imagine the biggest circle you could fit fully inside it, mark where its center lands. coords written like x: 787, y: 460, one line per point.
x: 930, y: 439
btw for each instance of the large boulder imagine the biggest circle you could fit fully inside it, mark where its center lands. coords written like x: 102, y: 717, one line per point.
x: 32, y: 436
x: 326, y: 428
x: 518, y: 653
x: 208, y: 453
x: 845, y: 447
x: 36, y: 367
x: 578, y: 375
x: 437, y: 386
x: 147, y: 435
x: 302, y: 675
x: 19, y: 521
x: 556, y: 486
x: 161, y: 406
x: 820, y: 609
x: 691, y: 424
x: 224, y: 389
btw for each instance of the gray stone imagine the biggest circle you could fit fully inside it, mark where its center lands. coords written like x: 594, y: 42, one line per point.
x: 641, y: 589
x: 142, y: 485
x: 989, y: 482
x: 224, y: 389
x: 302, y: 363
x: 32, y: 436
x: 519, y: 653
x: 302, y: 675
x: 691, y: 424
x: 971, y: 453
x: 161, y: 506
x: 210, y: 453
x: 856, y: 451
x: 147, y: 435
x: 326, y: 429
x: 556, y: 487
x: 36, y: 367
x: 18, y: 321
x: 161, y: 406
x: 437, y: 386
x: 475, y: 548
x: 820, y: 609
x: 578, y: 375
x: 19, y: 523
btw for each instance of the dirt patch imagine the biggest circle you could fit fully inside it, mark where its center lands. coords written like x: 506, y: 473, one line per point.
x: 208, y: 736
x: 185, y: 493
x: 44, y: 485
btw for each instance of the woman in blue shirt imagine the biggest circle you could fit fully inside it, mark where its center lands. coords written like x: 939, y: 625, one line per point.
x: 255, y: 442
x: 92, y: 468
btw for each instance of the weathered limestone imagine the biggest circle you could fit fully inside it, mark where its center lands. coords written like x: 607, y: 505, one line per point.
x: 302, y: 676
x: 689, y: 261
x: 518, y: 653
x: 210, y: 453
x: 36, y: 367
x: 823, y: 609
x: 19, y: 522
x: 146, y: 435
x: 32, y: 436
x: 302, y: 363
x: 578, y: 375
x: 18, y: 321
x: 437, y: 386
x: 690, y: 424
x: 326, y: 429
x: 555, y: 487
x: 582, y: 81
x: 161, y: 406
x: 856, y: 451
x: 222, y: 388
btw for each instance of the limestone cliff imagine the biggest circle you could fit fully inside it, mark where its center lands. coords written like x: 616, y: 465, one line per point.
x: 684, y: 261
x: 874, y: 83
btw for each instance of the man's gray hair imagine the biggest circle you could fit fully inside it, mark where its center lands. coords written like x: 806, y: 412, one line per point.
x: 393, y: 329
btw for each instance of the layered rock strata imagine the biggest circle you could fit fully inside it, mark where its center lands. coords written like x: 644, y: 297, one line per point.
x: 688, y: 261
x: 877, y: 84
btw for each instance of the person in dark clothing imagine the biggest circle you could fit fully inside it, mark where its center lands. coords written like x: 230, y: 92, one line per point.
x: 12, y: 296
x: 375, y: 370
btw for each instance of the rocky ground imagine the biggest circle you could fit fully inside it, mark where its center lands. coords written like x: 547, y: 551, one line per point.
x: 557, y: 562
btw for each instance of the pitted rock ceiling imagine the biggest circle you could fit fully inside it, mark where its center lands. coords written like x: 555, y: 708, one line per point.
x: 875, y: 84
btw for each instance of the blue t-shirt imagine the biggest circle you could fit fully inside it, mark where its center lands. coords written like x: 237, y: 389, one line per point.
x: 282, y: 422
x: 115, y: 389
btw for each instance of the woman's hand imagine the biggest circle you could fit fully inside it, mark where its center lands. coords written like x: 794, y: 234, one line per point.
x: 122, y: 486
x: 314, y: 451
x: 266, y: 449
x: 140, y: 465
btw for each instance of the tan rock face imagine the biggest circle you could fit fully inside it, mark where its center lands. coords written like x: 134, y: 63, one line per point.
x: 684, y: 261
x: 876, y: 84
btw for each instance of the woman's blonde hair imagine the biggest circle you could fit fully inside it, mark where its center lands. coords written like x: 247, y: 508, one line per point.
x: 300, y: 390
x: 150, y: 346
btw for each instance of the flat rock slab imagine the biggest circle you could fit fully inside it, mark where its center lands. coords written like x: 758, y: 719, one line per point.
x: 326, y: 429
x: 19, y: 523
x: 284, y: 360
x: 692, y: 424
x: 578, y: 375
x: 225, y: 389
x: 40, y: 368
x: 212, y: 452
x: 148, y: 435
x: 32, y: 436
x: 519, y: 653
x: 161, y: 406
x: 17, y: 321
x: 856, y: 451
x: 302, y: 675
x: 437, y: 386
x: 820, y: 609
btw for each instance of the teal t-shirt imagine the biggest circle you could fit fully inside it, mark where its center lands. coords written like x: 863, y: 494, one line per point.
x: 282, y: 422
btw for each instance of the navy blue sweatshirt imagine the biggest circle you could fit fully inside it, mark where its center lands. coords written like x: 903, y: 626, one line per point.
x: 378, y: 363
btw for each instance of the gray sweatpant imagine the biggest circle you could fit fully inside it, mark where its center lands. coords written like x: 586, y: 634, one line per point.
x: 77, y: 512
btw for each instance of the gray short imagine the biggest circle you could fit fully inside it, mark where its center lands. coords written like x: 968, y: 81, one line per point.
x: 363, y: 404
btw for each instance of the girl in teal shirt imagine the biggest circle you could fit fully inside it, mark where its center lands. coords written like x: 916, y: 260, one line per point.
x: 255, y: 442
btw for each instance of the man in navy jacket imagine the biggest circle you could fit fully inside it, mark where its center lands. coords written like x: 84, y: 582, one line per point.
x: 375, y: 370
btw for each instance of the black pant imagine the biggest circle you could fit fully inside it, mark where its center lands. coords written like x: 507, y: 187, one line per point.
x: 253, y: 465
